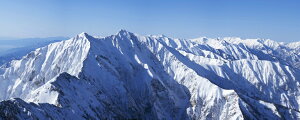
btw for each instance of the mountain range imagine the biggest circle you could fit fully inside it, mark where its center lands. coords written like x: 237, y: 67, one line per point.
x: 130, y: 76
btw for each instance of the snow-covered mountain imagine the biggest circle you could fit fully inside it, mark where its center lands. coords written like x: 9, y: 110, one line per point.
x: 17, y: 48
x: 128, y: 76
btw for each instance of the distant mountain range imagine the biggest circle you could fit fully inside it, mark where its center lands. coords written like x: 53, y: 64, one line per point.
x: 129, y: 76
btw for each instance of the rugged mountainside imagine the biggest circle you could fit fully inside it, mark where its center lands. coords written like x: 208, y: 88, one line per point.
x: 20, y: 47
x: 128, y: 76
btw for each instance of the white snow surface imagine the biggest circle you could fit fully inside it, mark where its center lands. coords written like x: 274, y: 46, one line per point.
x: 129, y: 76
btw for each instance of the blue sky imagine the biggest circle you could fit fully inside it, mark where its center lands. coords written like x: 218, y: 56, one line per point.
x: 275, y: 19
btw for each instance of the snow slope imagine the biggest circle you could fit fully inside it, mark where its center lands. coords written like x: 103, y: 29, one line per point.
x: 16, y: 49
x: 128, y: 76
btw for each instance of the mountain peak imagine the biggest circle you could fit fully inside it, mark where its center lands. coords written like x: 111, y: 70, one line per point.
x: 83, y: 34
x: 127, y: 76
x: 123, y: 32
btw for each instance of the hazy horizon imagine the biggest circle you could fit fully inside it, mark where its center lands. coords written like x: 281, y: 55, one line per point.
x: 276, y: 20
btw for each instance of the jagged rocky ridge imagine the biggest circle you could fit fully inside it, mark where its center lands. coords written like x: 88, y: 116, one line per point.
x: 128, y: 76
